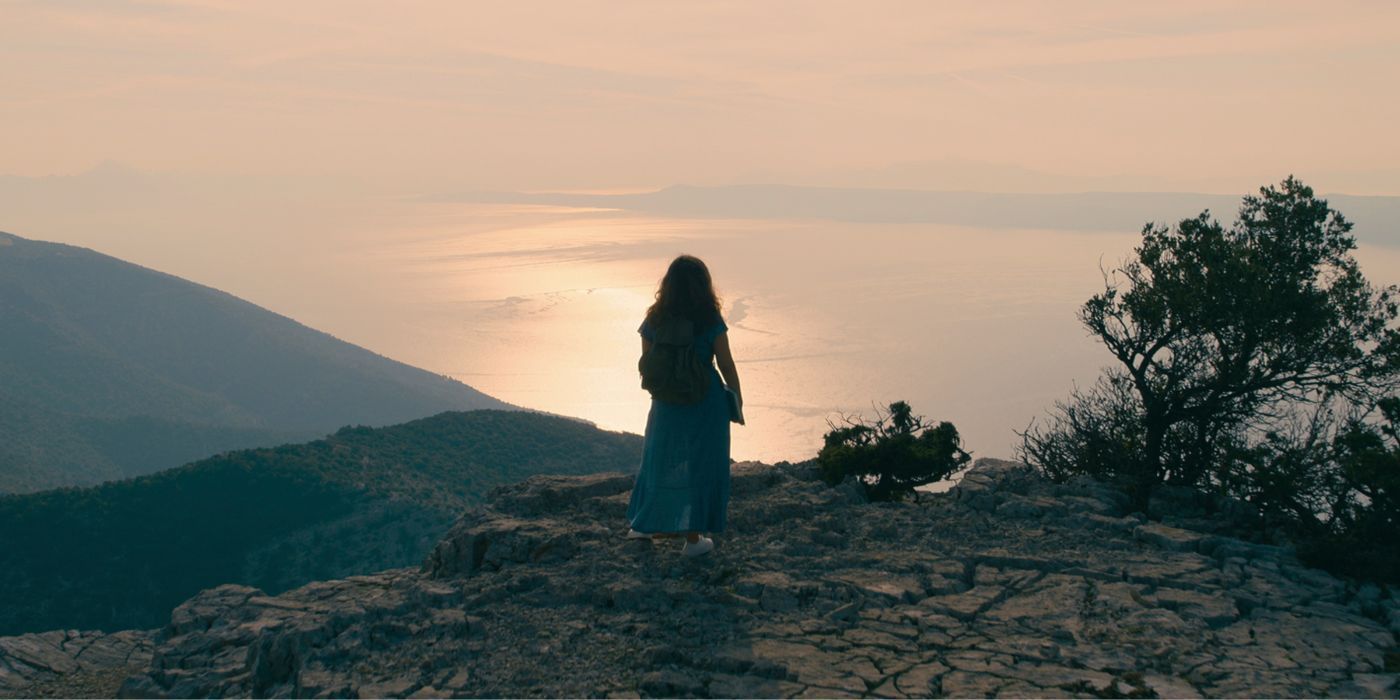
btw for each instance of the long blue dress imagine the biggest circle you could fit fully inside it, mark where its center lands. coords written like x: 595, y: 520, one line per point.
x: 683, y: 484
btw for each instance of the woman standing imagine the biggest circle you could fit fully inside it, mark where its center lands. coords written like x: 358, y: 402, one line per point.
x: 683, y: 485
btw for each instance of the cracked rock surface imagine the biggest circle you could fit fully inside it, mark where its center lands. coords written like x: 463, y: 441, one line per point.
x: 68, y: 663
x: 1006, y: 586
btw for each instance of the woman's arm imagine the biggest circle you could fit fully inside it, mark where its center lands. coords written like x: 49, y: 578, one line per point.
x: 724, y: 359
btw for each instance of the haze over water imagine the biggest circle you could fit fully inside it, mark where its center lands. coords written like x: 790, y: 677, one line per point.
x: 539, y: 305
x: 838, y: 300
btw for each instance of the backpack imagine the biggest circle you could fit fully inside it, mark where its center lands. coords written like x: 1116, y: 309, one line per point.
x: 671, y: 370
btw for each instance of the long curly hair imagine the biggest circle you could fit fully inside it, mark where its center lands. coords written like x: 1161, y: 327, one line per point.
x: 686, y: 292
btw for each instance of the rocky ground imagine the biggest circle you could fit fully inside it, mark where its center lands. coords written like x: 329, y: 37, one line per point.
x: 1006, y: 586
x: 68, y: 664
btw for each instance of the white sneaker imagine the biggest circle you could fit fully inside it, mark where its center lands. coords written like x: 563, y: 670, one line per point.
x: 634, y: 535
x: 698, y: 547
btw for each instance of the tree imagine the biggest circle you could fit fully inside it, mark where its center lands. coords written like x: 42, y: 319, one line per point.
x: 1218, y: 334
x: 898, y: 451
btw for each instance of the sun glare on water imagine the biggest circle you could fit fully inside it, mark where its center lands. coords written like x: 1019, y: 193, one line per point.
x: 539, y: 306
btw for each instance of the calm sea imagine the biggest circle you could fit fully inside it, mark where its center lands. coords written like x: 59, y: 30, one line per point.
x: 539, y: 306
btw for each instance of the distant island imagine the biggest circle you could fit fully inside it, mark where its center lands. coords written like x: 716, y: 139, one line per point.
x: 1377, y: 218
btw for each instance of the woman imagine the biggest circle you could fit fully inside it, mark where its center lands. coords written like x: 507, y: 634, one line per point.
x: 683, y: 485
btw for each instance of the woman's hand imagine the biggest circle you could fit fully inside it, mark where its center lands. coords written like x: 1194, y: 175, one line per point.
x: 724, y: 359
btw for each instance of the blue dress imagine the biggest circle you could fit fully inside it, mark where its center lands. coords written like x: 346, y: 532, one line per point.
x: 683, y: 484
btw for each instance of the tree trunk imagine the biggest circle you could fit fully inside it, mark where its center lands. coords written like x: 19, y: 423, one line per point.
x: 1145, y: 476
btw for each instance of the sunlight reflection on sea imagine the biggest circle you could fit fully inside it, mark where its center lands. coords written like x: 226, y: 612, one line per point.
x: 539, y: 306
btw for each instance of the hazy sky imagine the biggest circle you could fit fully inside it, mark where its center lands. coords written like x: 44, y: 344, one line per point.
x: 316, y: 158
x: 414, y: 96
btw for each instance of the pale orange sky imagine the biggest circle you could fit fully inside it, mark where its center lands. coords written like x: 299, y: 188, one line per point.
x: 281, y: 151
x: 411, y: 96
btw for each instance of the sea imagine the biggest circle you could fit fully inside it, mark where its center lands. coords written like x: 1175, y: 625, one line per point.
x: 829, y: 321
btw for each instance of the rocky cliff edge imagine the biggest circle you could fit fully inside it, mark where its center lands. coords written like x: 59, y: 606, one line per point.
x: 1006, y: 586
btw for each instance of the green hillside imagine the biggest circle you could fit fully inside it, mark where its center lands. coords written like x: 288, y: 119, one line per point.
x: 123, y: 554
x: 110, y: 370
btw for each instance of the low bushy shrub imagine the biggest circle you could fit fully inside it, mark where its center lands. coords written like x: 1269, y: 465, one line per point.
x: 1362, y: 470
x: 893, y: 454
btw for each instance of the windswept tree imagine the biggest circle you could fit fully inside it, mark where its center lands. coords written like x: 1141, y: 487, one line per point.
x: 1219, y: 334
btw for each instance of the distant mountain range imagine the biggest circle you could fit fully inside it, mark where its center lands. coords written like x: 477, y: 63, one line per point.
x: 1377, y: 218
x: 122, y: 554
x: 110, y: 370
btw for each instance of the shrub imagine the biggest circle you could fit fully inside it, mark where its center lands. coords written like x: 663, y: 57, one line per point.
x: 1362, y: 479
x: 1250, y: 362
x: 892, y: 455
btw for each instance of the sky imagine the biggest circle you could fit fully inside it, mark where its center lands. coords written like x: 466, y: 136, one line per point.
x: 351, y: 164
x: 603, y: 96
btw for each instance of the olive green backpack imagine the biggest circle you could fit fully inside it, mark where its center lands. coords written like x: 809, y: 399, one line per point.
x: 671, y: 370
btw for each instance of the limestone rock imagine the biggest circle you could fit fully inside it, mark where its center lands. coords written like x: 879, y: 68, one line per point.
x: 1172, y: 538
x: 70, y: 661
x: 1008, y: 585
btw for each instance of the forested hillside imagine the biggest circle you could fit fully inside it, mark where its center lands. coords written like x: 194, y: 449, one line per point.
x: 123, y: 554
